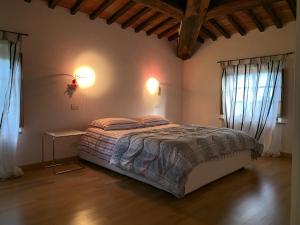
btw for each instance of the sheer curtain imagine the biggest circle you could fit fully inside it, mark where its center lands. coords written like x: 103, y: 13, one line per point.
x: 10, y: 89
x: 251, y: 95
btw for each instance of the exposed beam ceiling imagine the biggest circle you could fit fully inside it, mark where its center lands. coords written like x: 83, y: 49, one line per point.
x: 190, y: 27
x: 209, y: 33
x: 52, y: 3
x: 276, y: 20
x: 220, y: 28
x: 76, y: 6
x: 158, y: 26
x: 236, y: 24
x: 187, y: 21
x: 135, y: 17
x: 233, y: 6
x: 293, y: 6
x: 147, y: 22
x: 163, y: 7
x: 169, y: 31
x: 120, y: 12
x: 101, y: 8
x: 255, y: 20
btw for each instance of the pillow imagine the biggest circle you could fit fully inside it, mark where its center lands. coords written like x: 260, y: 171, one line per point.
x: 115, y: 123
x: 152, y: 120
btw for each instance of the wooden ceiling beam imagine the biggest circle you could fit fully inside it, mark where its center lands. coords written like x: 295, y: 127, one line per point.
x: 209, y: 33
x: 75, y: 8
x: 233, y: 6
x: 158, y: 26
x: 135, y: 17
x: 52, y: 3
x: 220, y: 28
x: 255, y: 20
x: 200, y: 39
x: 147, y: 22
x: 176, y: 35
x: 268, y: 8
x: 27, y: 1
x: 236, y: 24
x: 163, y: 7
x: 101, y: 8
x: 191, y: 24
x: 169, y: 31
x: 173, y: 37
x: 293, y: 6
x: 120, y: 12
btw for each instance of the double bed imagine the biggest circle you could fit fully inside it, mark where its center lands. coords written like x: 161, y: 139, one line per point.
x: 177, y: 159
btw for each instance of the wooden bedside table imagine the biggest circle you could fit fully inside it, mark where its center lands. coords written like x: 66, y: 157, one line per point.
x: 54, y: 136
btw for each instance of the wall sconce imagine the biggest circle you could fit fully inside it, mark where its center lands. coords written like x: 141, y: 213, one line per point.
x: 153, y: 86
x: 83, y: 77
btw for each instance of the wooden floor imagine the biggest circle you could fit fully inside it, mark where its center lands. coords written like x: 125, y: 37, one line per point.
x: 257, y: 196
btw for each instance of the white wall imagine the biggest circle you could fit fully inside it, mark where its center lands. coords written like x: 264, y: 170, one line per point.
x: 202, y: 83
x: 122, y: 60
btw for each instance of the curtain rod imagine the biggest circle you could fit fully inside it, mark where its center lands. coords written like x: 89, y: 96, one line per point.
x: 264, y: 56
x: 12, y: 32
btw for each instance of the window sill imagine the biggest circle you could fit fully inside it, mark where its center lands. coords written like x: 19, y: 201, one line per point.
x: 280, y: 120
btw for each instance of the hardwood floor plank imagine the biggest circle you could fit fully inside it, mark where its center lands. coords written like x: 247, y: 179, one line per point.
x: 94, y: 195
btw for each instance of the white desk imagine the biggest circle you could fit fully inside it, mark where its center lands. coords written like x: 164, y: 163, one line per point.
x: 54, y: 136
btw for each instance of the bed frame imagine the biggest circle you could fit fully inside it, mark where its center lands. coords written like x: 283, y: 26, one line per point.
x: 201, y: 175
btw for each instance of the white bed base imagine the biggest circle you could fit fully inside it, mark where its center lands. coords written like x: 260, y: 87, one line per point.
x: 201, y: 175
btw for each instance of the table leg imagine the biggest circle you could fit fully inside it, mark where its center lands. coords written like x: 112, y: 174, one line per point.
x: 54, y: 164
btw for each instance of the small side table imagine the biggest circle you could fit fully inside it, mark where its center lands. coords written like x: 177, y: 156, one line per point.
x: 59, y: 134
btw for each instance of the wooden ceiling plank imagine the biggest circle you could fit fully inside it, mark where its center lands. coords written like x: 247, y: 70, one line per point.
x: 120, y: 12
x: 52, y: 3
x: 233, y: 6
x: 209, y: 33
x: 101, y: 8
x: 255, y: 20
x: 27, y: 1
x: 158, y: 26
x: 236, y: 24
x: 163, y: 7
x: 147, y: 22
x: 173, y: 37
x: 220, y: 28
x: 75, y: 8
x: 168, y: 31
x: 293, y: 7
x: 135, y: 17
x: 190, y: 27
x: 268, y: 8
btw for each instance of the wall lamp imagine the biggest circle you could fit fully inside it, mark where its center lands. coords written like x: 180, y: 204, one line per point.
x: 83, y: 77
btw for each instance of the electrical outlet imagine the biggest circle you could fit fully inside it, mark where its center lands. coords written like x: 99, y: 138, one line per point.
x: 74, y: 107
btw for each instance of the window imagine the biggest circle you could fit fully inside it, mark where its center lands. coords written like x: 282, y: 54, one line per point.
x: 246, y: 88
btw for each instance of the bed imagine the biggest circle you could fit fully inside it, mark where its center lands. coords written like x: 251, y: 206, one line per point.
x: 131, y: 152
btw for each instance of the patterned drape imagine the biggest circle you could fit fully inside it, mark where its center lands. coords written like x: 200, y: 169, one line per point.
x: 251, y: 95
x: 10, y: 99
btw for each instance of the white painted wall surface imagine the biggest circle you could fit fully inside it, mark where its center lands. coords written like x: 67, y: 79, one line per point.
x: 122, y: 59
x: 202, y: 82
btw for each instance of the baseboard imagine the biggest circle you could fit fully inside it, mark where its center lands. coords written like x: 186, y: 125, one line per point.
x: 286, y: 155
x: 42, y: 164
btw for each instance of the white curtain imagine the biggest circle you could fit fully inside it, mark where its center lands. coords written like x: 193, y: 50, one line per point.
x: 251, y: 95
x: 10, y: 89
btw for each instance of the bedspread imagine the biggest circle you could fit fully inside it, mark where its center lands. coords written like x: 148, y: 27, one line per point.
x: 166, y: 156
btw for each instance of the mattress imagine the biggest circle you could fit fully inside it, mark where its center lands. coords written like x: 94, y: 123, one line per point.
x: 200, y: 176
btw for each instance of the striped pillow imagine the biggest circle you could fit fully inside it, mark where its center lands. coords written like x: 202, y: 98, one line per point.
x: 152, y: 120
x: 115, y: 123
